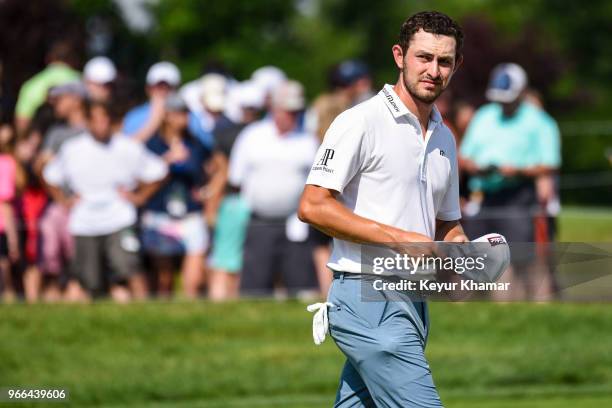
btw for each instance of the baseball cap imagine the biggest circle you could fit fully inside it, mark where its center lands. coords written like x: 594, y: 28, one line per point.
x: 100, y: 70
x: 268, y: 78
x: 350, y: 71
x: 507, y: 82
x: 164, y: 71
x: 70, y: 88
x: 289, y: 96
x: 249, y: 95
x: 175, y: 103
x: 212, y: 88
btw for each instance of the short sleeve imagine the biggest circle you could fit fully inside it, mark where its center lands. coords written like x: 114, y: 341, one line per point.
x: 471, y: 142
x: 342, y: 153
x: 54, y: 172
x: 195, y: 127
x: 30, y: 97
x: 7, y: 179
x: 134, y: 120
x: 549, y: 142
x: 450, y: 209
x: 53, y: 139
x: 238, y: 160
x: 151, y: 167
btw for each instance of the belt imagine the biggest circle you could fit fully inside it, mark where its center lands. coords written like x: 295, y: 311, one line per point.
x: 346, y: 275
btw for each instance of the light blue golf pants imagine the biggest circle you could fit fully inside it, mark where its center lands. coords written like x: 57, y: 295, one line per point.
x: 383, y: 339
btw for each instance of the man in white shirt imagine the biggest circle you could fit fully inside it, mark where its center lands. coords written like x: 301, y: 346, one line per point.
x: 269, y: 162
x: 386, y: 173
x: 109, y: 176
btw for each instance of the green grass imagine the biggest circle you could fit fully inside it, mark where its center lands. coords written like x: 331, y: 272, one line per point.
x: 582, y: 224
x: 260, y: 354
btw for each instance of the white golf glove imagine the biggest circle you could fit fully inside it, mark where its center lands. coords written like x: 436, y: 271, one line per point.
x: 320, y: 322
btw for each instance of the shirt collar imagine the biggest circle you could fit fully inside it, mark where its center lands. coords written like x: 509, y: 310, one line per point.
x: 397, y: 108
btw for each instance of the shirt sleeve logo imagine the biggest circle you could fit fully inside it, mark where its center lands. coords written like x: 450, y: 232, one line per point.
x: 328, y: 155
x: 321, y: 165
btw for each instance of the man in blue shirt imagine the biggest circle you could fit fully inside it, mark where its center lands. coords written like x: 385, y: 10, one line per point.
x: 507, y: 146
x: 143, y: 121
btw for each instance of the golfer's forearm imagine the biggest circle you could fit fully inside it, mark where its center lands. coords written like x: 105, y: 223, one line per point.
x: 331, y: 217
x: 448, y: 230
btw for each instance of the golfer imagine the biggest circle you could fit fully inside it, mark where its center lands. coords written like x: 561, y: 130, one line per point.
x: 386, y: 172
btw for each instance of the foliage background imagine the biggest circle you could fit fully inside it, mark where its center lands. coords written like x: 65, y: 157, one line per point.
x: 563, y: 44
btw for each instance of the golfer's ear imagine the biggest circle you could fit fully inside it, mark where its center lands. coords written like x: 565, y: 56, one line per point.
x: 398, y: 56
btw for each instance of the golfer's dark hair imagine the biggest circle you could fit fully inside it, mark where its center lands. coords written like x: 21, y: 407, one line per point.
x: 432, y: 22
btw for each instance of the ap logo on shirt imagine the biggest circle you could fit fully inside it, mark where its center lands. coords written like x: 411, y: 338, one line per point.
x: 328, y: 155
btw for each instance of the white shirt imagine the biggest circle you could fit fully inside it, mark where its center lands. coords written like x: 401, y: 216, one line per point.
x: 376, y: 157
x: 96, y: 172
x: 271, y: 168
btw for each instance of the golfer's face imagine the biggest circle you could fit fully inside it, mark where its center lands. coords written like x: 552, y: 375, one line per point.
x: 428, y: 65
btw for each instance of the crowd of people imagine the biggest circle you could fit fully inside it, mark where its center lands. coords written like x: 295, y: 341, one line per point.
x: 204, y: 179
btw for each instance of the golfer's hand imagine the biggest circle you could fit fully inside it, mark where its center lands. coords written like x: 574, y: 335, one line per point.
x: 414, y: 244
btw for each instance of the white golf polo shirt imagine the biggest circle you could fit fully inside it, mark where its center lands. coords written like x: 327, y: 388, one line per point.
x: 377, y: 158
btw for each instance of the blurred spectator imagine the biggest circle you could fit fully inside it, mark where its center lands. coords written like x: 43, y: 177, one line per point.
x: 33, y: 92
x: 99, y: 75
x: 270, y: 161
x: 9, y: 238
x: 461, y: 115
x: 508, y: 145
x: 328, y: 105
x: 227, y: 211
x: 143, y: 121
x: 57, y: 246
x: 213, y: 97
x: 108, y: 176
x: 30, y: 204
x: 547, y: 185
x: 172, y: 222
x: 355, y: 76
x: 459, y: 118
x: 268, y: 78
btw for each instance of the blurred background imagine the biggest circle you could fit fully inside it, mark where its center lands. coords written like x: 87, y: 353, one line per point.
x: 227, y: 62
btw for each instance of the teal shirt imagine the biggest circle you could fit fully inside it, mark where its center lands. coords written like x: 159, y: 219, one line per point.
x: 529, y: 138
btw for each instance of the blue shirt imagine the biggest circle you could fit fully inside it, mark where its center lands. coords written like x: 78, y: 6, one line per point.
x: 528, y: 138
x: 137, y: 117
x: 177, y: 196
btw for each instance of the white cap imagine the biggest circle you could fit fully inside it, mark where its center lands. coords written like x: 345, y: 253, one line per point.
x: 506, y: 83
x: 268, y: 78
x: 289, y: 96
x: 249, y: 95
x: 212, y: 88
x: 100, y: 70
x: 164, y: 71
